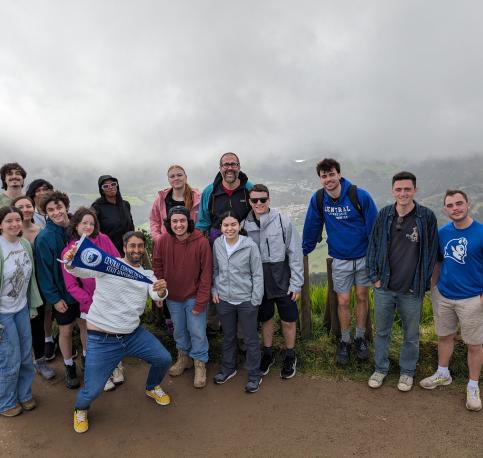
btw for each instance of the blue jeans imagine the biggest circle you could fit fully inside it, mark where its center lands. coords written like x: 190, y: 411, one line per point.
x: 104, y: 351
x: 16, y: 366
x: 189, y: 330
x: 409, y: 308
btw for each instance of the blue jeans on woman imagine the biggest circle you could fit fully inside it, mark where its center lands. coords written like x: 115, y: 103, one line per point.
x: 16, y: 366
x: 104, y: 351
x: 189, y: 329
x: 409, y: 308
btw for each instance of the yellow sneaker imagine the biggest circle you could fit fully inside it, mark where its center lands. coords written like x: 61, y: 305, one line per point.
x: 81, y: 423
x: 159, y: 395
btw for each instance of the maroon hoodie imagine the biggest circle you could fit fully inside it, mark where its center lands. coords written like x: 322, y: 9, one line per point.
x: 186, y: 266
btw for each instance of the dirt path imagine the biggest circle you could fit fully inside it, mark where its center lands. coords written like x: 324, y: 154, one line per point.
x: 300, y: 417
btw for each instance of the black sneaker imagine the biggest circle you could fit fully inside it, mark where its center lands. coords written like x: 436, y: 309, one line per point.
x: 71, y: 380
x: 266, y: 363
x: 221, y: 377
x: 253, y: 386
x: 361, y: 349
x: 343, y: 353
x: 49, y: 350
x: 289, y: 367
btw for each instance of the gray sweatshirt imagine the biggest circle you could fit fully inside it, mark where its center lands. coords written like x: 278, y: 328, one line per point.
x: 238, y: 278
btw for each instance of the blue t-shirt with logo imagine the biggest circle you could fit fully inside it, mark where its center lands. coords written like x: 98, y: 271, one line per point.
x: 461, y: 252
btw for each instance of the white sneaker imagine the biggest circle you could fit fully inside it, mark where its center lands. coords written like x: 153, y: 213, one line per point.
x: 473, y: 401
x: 437, y: 379
x: 405, y: 383
x: 109, y: 386
x: 376, y: 379
x: 118, y: 375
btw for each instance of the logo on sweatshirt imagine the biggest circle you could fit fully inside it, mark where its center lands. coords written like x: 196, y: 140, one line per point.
x: 456, y: 249
x: 91, y: 257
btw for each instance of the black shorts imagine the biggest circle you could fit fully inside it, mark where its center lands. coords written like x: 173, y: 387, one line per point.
x: 68, y: 317
x: 287, y: 309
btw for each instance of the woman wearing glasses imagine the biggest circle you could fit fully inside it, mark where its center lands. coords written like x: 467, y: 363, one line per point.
x: 113, y: 213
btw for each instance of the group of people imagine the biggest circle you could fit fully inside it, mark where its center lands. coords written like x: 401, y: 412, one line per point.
x: 225, y: 258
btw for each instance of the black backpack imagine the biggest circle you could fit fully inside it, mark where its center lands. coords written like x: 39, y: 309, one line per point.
x: 351, y: 192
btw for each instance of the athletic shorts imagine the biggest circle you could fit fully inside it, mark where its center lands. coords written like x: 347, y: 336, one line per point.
x: 287, y: 309
x: 349, y: 272
x: 468, y: 312
x: 68, y: 317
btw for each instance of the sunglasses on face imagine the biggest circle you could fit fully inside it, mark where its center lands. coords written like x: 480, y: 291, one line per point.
x: 109, y: 185
x: 255, y: 200
x: 399, y: 222
x: 230, y: 164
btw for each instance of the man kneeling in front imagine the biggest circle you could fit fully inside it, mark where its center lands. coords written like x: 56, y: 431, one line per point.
x: 114, y: 331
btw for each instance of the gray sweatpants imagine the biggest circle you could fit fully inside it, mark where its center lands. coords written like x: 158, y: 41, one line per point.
x: 246, y: 314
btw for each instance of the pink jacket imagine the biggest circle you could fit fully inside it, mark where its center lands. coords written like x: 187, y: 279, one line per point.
x: 158, y: 212
x: 82, y: 290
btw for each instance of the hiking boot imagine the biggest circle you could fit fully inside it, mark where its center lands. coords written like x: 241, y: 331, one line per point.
x: 362, y: 351
x: 343, y: 353
x: 71, y: 379
x: 118, y: 375
x: 13, y: 412
x: 200, y: 374
x: 42, y: 368
x: 473, y: 401
x: 49, y: 350
x: 29, y: 405
x: 109, y: 386
x: 158, y: 395
x: 253, y: 386
x: 376, y: 379
x: 221, y: 378
x: 405, y: 382
x: 81, y: 423
x: 182, y: 363
x: 430, y: 383
x: 289, y: 367
x: 266, y: 363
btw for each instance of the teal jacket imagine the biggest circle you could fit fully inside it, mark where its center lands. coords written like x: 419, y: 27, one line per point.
x: 33, y: 296
x: 48, y: 246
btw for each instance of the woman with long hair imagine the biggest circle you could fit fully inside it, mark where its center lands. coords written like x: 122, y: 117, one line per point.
x: 29, y: 231
x: 19, y: 299
x: 84, y: 222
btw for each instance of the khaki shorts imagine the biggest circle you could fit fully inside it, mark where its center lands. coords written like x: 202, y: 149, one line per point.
x: 468, y: 312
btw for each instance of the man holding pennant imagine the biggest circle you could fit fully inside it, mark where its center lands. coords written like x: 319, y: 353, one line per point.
x: 113, y: 324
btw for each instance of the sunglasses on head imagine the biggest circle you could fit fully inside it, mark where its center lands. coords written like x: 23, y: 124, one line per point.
x: 109, y: 185
x: 255, y: 200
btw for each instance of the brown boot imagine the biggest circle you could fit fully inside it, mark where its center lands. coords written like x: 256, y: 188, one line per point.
x: 183, y: 362
x: 13, y: 412
x: 200, y: 374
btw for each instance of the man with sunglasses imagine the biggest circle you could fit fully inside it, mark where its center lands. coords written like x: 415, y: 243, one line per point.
x: 283, y: 275
x: 229, y: 191
x: 348, y: 213
x: 400, y: 259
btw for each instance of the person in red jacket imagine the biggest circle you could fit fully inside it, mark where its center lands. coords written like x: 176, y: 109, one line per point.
x: 182, y: 256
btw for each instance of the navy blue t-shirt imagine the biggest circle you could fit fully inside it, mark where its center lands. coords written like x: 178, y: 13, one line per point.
x: 461, y: 252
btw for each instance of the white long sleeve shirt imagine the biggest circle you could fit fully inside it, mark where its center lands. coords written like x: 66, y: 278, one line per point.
x: 118, y: 302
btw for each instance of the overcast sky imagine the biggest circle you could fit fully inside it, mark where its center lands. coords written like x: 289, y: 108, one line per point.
x: 112, y: 82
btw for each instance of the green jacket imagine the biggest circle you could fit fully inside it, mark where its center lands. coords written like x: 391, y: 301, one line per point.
x: 33, y: 294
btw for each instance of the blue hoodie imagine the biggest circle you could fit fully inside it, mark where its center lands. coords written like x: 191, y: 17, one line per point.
x: 348, y: 233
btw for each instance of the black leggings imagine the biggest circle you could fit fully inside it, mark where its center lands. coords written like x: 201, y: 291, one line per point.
x: 38, y: 333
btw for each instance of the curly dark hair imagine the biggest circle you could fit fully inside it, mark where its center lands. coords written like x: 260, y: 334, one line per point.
x: 54, y: 196
x: 9, y: 167
x: 76, y: 220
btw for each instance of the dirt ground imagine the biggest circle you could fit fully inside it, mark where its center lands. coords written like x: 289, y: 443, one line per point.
x: 305, y: 416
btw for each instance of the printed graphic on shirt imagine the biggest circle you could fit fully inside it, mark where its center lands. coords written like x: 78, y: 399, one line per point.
x: 414, y: 235
x: 342, y: 212
x: 18, y: 278
x: 456, y: 249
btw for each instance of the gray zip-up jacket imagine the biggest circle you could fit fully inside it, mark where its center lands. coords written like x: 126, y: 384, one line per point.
x: 281, y: 251
x: 238, y: 278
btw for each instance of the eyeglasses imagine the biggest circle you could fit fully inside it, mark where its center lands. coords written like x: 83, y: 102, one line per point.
x: 399, y: 222
x: 226, y: 165
x: 109, y: 185
x: 255, y: 200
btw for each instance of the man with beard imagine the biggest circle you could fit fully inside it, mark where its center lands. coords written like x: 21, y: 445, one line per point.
x: 457, y: 294
x: 13, y: 176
